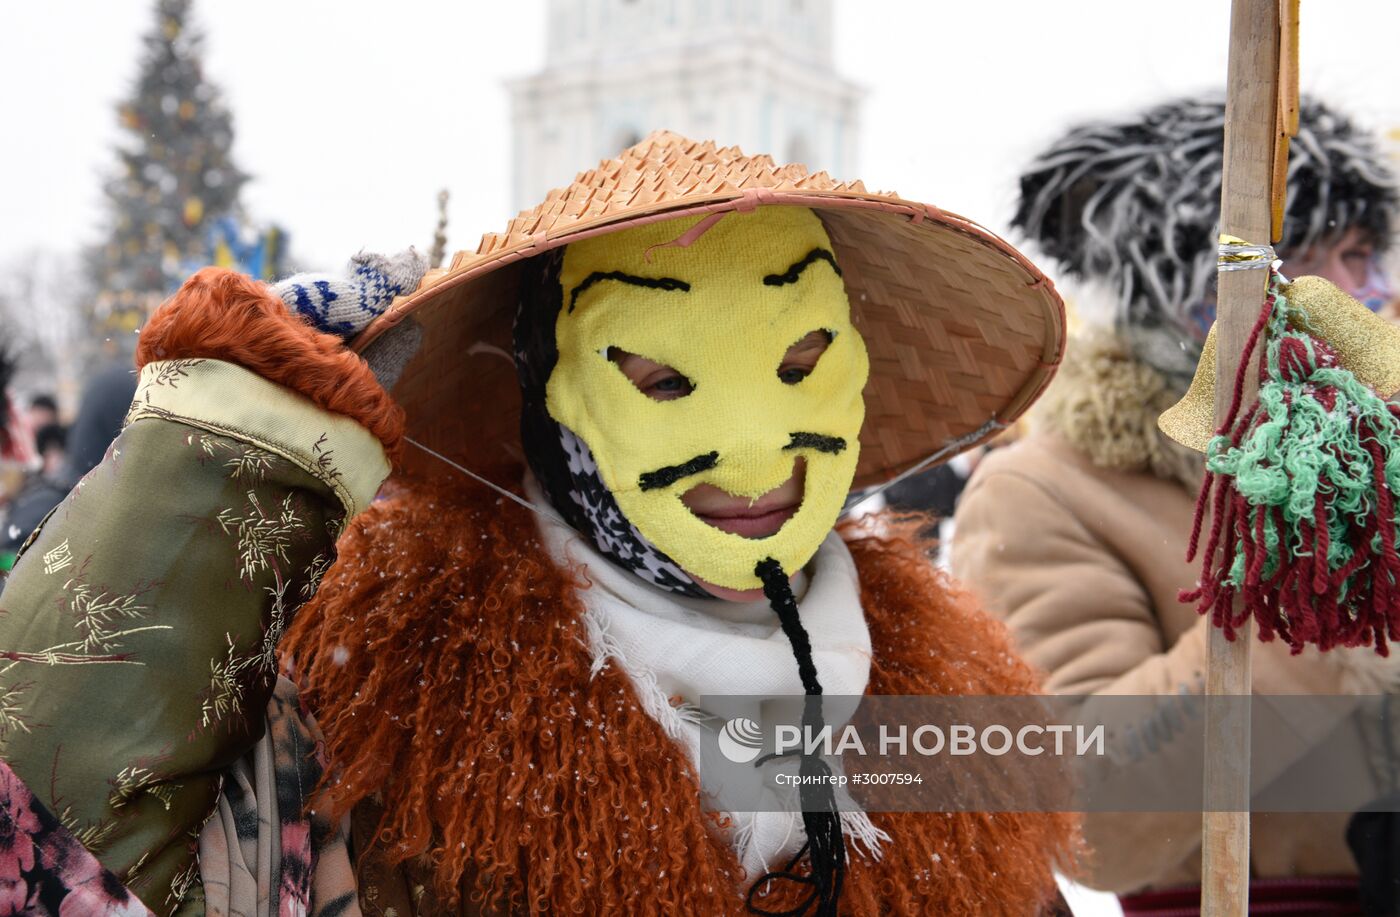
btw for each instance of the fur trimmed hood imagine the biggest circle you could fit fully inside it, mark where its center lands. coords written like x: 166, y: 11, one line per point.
x: 1105, y: 403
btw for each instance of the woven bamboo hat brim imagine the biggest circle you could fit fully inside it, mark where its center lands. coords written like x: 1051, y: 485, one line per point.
x: 963, y: 332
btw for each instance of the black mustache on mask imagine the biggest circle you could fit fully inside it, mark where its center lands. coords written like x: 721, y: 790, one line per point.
x: 665, y: 477
x: 817, y: 441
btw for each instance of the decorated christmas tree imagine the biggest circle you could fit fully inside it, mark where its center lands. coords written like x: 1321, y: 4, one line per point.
x: 176, y: 176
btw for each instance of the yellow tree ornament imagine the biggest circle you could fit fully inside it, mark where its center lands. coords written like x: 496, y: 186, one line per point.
x: 194, y: 211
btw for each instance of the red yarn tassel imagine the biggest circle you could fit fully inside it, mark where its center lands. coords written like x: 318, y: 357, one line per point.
x: 1302, y: 600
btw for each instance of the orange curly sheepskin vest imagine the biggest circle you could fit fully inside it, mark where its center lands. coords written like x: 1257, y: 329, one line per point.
x: 445, y: 658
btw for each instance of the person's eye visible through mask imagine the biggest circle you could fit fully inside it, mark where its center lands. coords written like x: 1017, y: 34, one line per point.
x: 663, y: 383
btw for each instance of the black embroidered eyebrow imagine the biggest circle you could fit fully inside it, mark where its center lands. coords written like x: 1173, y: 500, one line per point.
x: 655, y: 283
x: 792, y: 273
x: 665, y: 477
x: 831, y: 444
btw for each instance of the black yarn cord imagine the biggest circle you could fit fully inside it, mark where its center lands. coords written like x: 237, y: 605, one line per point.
x: 825, y: 847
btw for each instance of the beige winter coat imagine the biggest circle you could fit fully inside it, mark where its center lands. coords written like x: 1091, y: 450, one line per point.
x: 1077, y: 536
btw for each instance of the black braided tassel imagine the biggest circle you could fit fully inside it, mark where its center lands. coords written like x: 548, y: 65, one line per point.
x: 826, y: 846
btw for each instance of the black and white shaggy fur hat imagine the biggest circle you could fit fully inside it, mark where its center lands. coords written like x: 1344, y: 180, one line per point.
x: 1135, y: 203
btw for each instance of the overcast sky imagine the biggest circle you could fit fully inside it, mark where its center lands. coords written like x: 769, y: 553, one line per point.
x: 350, y: 114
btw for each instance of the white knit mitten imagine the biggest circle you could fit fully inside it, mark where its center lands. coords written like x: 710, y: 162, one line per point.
x: 344, y: 304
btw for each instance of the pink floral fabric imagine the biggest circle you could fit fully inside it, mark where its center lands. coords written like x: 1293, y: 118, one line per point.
x: 44, y: 870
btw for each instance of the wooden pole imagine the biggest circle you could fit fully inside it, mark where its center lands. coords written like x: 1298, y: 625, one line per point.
x: 1251, y: 111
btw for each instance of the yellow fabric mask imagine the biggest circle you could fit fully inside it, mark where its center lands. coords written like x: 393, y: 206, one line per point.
x: 722, y: 311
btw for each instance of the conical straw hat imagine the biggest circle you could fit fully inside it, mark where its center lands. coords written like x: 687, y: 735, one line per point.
x: 963, y: 332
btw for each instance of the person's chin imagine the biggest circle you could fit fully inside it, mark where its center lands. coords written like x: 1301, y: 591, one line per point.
x: 727, y: 594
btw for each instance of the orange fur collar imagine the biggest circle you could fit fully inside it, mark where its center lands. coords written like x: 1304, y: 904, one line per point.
x: 447, y: 663
x: 220, y: 314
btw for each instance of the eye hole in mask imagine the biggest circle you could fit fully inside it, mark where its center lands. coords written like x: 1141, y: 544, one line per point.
x: 657, y: 381
x: 801, y: 358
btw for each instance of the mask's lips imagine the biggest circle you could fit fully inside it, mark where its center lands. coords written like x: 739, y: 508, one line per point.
x: 753, y: 522
x: 747, y: 518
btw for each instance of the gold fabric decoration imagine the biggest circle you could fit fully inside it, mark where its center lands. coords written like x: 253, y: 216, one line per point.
x: 1366, y: 344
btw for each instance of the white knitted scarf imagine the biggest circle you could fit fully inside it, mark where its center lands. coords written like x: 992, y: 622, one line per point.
x: 676, y: 647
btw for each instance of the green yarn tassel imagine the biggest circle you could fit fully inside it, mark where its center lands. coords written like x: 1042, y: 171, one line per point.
x: 1304, y: 529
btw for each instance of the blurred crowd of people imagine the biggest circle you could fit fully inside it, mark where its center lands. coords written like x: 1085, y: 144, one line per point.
x: 42, y: 457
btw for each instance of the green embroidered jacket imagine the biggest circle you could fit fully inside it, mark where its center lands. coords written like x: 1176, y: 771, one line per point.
x: 138, y: 627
